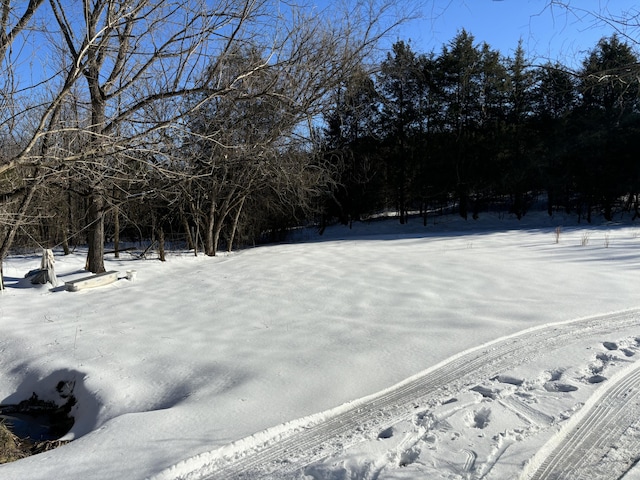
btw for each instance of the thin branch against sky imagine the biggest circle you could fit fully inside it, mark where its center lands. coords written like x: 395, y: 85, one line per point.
x: 562, y: 30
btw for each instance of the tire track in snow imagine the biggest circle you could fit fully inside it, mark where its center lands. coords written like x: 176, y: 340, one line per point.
x: 530, y: 414
x: 583, y: 449
x: 282, y: 451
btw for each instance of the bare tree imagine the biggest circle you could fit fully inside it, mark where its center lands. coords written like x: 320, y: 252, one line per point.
x: 17, y: 193
x: 137, y: 69
x: 133, y: 54
x: 247, y: 146
x: 623, y: 21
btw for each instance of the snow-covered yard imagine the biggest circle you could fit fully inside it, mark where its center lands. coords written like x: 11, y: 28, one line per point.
x: 201, y: 364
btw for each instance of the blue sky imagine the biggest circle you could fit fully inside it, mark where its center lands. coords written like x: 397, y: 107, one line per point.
x: 547, y: 32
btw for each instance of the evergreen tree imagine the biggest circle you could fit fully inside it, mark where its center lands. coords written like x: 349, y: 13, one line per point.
x: 605, y: 159
x: 521, y: 170
x: 352, y: 148
x: 554, y: 100
x: 473, y: 80
x: 401, y: 121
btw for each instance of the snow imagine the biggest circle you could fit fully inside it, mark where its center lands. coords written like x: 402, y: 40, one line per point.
x: 199, y: 358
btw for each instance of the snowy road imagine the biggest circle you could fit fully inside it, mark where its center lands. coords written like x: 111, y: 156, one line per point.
x: 597, y: 442
x: 289, y: 451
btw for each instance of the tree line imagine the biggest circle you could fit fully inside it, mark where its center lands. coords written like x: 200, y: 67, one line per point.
x: 126, y: 119
x: 469, y: 129
x: 222, y: 123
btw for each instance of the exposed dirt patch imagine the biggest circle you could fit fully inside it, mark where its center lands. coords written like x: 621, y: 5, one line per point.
x: 11, y: 447
x: 14, y: 448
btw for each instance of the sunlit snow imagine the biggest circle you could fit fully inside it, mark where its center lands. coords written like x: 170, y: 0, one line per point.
x: 197, y: 353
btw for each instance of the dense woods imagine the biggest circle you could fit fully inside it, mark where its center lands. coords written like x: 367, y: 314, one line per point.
x: 472, y: 130
x: 222, y: 124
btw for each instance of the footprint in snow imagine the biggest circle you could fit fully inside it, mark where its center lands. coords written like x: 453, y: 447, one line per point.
x: 485, y: 392
x: 559, y: 387
x: 605, y: 357
x: 408, y: 456
x: 480, y: 418
x: 509, y: 380
x: 596, y: 379
x: 555, y: 375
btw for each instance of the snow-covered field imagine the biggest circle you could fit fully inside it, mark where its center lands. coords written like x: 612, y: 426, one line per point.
x: 463, y: 350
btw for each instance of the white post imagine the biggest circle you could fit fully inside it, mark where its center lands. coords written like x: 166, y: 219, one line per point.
x: 47, y: 264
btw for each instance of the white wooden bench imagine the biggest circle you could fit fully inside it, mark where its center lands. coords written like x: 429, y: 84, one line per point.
x: 97, y: 280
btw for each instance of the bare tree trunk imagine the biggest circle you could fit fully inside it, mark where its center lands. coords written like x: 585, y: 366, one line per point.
x: 187, y: 230
x: 69, y: 222
x: 65, y: 243
x: 234, y: 228
x: 223, y: 213
x: 211, y: 241
x: 116, y: 231
x: 161, y: 252
x: 95, y: 254
x: 216, y: 235
x: 195, y: 232
x: 63, y: 228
